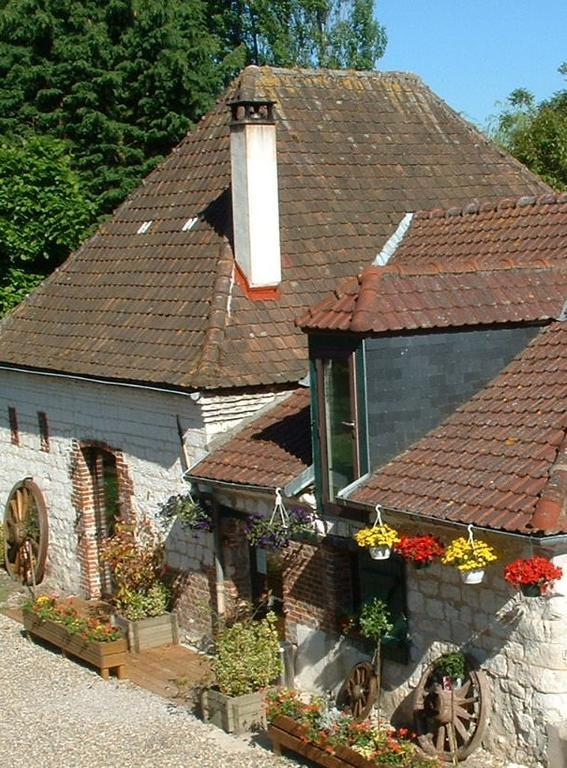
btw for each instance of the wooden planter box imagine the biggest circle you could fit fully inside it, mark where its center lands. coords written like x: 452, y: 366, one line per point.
x: 234, y: 714
x: 104, y: 656
x: 285, y: 732
x: 149, y: 633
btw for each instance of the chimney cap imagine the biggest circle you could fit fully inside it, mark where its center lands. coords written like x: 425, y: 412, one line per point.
x: 250, y: 103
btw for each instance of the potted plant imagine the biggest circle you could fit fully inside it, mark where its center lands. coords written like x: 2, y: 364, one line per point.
x: 534, y: 576
x: 420, y: 550
x: 470, y: 556
x: 189, y: 511
x: 247, y: 661
x: 451, y: 666
x: 378, y: 539
x: 276, y: 532
x: 134, y: 555
x: 93, y: 639
x: 328, y: 737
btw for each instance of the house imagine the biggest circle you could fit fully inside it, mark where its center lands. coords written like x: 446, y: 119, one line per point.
x: 148, y: 354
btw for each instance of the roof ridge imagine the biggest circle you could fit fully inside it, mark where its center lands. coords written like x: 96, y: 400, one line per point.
x: 418, y: 268
x: 551, y: 510
x: 475, y: 207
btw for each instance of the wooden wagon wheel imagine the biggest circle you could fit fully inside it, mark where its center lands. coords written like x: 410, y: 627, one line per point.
x: 25, y: 533
x: 358, y: 692
x: 450, y: 723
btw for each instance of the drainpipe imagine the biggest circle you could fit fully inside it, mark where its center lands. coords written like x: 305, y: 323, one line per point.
x: 219, y: 565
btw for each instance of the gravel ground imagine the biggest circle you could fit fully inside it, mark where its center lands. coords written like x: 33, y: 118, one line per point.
x: 56, y: 713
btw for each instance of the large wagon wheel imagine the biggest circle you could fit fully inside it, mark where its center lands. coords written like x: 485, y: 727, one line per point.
x: 450, y: 721
x: 358, y: 692
x: 25, y: 533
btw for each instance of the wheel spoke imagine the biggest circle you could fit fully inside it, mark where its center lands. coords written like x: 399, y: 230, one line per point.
x: 460, y: 728
x: 440, y: 740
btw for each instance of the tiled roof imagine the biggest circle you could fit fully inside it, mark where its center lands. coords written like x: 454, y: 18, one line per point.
x: 269, y: 452
x: 490, y: 463
x: 355, y: 151
x: 483, y: 264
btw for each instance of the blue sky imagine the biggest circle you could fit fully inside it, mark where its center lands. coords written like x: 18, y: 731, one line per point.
x: 474, y: 53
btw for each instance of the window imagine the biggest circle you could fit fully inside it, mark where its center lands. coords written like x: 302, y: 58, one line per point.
x: 340, y: 460
x: 43, y: 431
x: 14, y: 431
x: 385, y: 579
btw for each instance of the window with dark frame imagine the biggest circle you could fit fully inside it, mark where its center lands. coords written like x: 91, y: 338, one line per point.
x: 43, y: 431
x: 13, y: 421
x: 340, y: 458
x: 385, y: 579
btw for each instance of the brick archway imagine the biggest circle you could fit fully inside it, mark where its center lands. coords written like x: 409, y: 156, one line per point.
x: 88, y: 463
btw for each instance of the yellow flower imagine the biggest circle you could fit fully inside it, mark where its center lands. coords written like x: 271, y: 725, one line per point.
x: 377, y: 536
x: 469, y: 556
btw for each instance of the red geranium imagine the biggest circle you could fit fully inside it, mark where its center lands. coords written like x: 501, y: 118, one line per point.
x: 534, y: 570
x: 421, y: 549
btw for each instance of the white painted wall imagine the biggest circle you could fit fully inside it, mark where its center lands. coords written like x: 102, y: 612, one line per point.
x: 140, y: 423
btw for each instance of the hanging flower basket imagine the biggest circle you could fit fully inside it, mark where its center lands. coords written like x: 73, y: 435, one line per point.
x: 534, y: 576
x: 276, y: 531
x: 420, y: 550
x: 378, y: 539
x: 189, y: 511
x: 476, y: 576
x: 470, y: 556
x: 379, y: 553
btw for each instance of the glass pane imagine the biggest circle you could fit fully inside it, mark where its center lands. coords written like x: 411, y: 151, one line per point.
x: 339, y: 426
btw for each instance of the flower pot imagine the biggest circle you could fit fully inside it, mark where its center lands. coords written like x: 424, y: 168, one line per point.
x: 531, y: 590
x: 473, y: 577
x: 151, y: 632
x: 234, y: 714
x: 379, y: 553
x: 107, y: 656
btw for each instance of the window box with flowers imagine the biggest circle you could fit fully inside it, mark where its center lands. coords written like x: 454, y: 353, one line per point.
x: 142, y: 597
x: 470, y: 556
x: 420, y: 550
x: 534, y: 576
x: 93, y: 640
x: 334, y: 739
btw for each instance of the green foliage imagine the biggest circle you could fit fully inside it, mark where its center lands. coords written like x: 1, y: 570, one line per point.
x: 452, y: 664
x: 121, y: 81
x: 44, y: 214
x: 248, y: 656
x: 536, y: 134
x: 308, y: 33
x: 375, y: 619
x: 134, y: 554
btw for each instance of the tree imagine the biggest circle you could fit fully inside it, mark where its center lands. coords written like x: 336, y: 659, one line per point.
x: 312, y: 33
x: 44, y: 214
x: 121, y: 81
x: 536, y: 134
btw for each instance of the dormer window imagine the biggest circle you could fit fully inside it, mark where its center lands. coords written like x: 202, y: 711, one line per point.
x: 339, y: 439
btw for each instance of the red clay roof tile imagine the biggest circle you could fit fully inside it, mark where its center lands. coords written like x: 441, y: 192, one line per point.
x: 355, y: 152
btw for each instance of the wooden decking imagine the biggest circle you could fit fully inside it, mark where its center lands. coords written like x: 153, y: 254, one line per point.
x: 174, y: 672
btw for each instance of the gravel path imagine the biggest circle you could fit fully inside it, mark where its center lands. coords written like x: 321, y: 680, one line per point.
x: 55, y: 713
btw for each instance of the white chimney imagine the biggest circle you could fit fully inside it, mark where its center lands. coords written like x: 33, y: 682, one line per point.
x: 255, y: 210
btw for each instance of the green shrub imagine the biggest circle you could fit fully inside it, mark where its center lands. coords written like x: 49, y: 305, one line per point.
x: 375, y: 619
x: 452, y: 664
x: 248, y: 656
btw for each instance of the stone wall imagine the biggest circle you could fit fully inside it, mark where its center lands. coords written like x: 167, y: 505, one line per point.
x: 139, y: 426
x: 520, y: 642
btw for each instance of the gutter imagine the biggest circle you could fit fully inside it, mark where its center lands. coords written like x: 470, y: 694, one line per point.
x: 416, y: 517
x: 92, y: 380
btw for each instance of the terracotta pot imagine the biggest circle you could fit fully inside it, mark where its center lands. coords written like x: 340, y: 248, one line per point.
x: 473, y: 577
x: 379, y: 553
